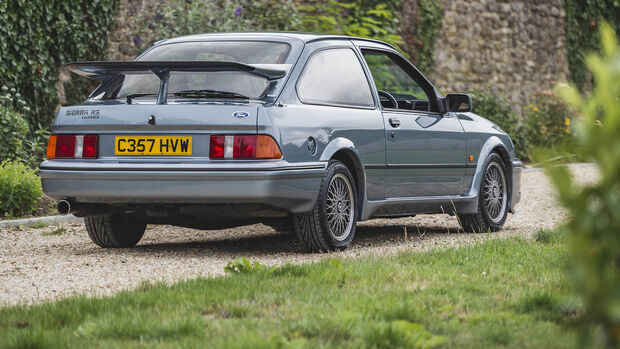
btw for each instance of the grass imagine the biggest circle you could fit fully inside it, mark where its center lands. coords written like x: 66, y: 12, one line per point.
x: 511, y: 292
x: 60, y: 230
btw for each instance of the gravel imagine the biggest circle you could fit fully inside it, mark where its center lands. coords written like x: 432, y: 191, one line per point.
x: 60, y: 260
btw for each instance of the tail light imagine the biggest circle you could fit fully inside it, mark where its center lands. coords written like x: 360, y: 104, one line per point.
x: 72, y: 147
x: 244, y: 147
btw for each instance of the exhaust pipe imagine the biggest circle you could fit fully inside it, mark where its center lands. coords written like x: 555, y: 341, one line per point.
x: 82, y: 210
x: 64, y: 207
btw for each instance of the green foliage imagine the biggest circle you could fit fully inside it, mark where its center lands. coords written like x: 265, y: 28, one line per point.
x: 497, y: 109
x: 242, y: 265
x: 356, y: 18
x: 20, y: 189
x: 13, y: 126
x: 581, y: 26
x: 427, y: 29
x: 181, y: 17
x: 595, y: 208
x: 19, y: 141
x: 39, y: 36
x: 545, y: 123
x: 548, y: 124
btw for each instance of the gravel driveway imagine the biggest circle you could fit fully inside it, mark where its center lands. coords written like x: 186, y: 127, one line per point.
x: 58, y: 261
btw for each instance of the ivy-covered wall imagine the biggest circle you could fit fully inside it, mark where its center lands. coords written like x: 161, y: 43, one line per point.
x: 420, y: 25
x: 39, y: 36
x: 583, y: 19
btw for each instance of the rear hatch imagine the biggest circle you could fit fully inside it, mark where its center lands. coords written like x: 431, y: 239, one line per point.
x: 166, y: 111
x: 181, y: 131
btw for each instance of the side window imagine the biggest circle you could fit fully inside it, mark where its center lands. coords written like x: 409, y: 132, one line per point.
x: 392, y: 80
x: 334, y: 76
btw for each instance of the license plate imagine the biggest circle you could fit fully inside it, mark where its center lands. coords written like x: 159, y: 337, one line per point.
x: 152, y: 145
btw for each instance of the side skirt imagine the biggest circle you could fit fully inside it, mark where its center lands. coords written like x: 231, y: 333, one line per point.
x: 409, y: 206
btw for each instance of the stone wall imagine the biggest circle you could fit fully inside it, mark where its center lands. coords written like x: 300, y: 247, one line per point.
x: 516, y: 47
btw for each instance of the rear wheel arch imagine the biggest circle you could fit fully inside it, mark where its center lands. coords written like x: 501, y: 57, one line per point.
x: 350, y: 159
x: 344, y: 150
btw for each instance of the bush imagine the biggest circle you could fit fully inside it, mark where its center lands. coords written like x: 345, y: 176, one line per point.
x: 594, y: 209
x: 548, y: 121
x: 19, y: 142
x: 545, y: 123
x: 356, y: 18
x: 13, y: 126
x: 181, y: 17
x: 20, y: 189
x: 498, y: 110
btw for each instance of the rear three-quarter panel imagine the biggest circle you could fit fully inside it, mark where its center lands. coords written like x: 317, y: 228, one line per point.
x: 332, y: 127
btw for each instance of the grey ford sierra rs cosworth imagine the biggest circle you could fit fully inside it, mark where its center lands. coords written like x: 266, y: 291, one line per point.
x: 315, y: 132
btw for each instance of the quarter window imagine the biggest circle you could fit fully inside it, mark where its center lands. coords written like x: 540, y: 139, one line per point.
x: 334, y: 76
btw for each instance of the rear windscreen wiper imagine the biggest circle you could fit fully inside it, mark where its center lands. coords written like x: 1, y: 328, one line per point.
x: 209, y: 94
x: 134, y: 95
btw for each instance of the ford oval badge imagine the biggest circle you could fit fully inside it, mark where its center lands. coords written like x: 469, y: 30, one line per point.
x: 241, y: 114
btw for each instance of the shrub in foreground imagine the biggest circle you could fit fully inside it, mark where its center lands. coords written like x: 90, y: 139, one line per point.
x: 20, y: 189
x: 595, y: 208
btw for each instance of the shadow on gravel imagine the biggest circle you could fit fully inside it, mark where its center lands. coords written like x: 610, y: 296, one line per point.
x: 274, y: 242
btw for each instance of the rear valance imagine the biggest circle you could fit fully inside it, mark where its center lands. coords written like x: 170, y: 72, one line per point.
x: 106, y: 70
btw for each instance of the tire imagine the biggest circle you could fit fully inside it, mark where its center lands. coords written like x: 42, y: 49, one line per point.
x: 492, y: 199
x: 115, y: 231
x: 330, y: 225
x: 282, y: 225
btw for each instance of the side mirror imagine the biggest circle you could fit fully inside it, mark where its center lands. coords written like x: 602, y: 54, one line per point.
x: 458, y: 102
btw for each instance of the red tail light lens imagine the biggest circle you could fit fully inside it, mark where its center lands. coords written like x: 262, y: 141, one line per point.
x: 248, y: 147
x: 65, y: 146
x: 216, y: 147
x: 89, y: 149
x: 244, y: 147
x: 72, y: 147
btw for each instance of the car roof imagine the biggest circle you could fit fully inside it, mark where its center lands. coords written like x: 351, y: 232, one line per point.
x: 305, y: 37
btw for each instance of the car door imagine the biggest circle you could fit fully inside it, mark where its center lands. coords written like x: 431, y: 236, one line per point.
x: 425, y: 149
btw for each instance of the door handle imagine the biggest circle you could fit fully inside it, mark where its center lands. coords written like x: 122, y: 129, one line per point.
x: 394, y: 122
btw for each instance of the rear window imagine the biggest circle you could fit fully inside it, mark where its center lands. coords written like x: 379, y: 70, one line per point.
x: 248, y: 52
x: 240, y: 83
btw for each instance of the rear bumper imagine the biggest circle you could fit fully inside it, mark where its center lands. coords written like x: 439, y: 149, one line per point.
x: 517, y: 170
x: 277, y: 184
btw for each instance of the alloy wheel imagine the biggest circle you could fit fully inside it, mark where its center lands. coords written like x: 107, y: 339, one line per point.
x: 495, y: 193
x: 340, y: 207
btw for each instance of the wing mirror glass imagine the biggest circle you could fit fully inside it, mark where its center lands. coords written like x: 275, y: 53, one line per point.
x: 458, y: 102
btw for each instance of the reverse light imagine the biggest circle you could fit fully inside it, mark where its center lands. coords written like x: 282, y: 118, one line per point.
x: 72, y: 147
x: 248, y: 147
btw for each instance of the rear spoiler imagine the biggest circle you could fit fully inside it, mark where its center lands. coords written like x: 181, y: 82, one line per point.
x: 106, y: 71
